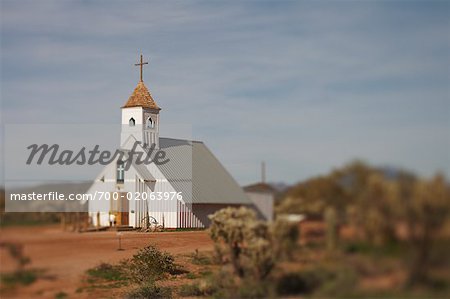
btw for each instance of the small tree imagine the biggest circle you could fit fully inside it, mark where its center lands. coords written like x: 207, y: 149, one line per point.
x: 427, y: 212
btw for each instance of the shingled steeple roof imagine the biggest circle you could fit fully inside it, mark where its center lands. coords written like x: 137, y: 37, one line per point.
x: 141, y: 97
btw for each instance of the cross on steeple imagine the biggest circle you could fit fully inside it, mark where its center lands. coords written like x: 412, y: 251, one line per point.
x: 141, y: 64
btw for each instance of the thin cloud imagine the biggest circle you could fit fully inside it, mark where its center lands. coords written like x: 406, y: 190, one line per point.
x: 305, y: 86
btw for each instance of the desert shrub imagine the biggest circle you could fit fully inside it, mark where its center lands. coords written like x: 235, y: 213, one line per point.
x: 340, y: 282
x: 61, y: 295
x: 189, y: 290
x: 285, y: 237
x: 379, y: 207
x: 427, y: 212
x: 205, y: 273
x: 218, y: 285
x: 107, y: 272
x: 20, y: 276
x: 358, y: 247
x: 150, y: 264
x: 218, y: 256
x: 28, y: 218
x: 23, y: 277
x: 292, y: 284
x: 253, y: 289
x: 391, y: 249
x: 332, y: 232
x: 191, y: 276
x: 318, y: 280
x: 149, y: 290
x: 301, y: 282
x: 200, y: 259
x: 16, y: 252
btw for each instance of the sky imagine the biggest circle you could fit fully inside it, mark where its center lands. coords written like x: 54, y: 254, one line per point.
x: 306, y: 86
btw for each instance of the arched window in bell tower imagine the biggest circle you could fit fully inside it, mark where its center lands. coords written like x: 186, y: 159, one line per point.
x: 150, y: 123
x: 132, y: 122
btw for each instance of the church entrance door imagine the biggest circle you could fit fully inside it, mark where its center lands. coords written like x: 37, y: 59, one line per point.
x: 120, y: 208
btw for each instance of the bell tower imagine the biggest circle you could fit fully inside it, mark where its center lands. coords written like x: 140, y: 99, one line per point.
x: 140, y: 116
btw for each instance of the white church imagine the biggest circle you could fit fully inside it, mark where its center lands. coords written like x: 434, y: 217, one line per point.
x: 178, y: 194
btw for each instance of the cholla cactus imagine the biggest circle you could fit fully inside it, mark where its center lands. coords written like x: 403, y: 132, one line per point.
x: 229, y: 225
x: 252, y: 245
x: 285, y: 237
x: 380, y: 207
x: 428, y: 214
x: 331, y: 228
x: 259, y: 250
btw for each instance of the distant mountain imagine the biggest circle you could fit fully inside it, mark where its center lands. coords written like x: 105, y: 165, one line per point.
x: 279, y: 186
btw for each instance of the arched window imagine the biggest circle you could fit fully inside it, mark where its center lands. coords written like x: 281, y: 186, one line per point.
x: 150, y: 123
x: 132, y: 122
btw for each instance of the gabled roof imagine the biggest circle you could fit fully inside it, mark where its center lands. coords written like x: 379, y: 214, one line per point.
x: 141, y: 97
x: 195, y: 171
x: 211, y: 182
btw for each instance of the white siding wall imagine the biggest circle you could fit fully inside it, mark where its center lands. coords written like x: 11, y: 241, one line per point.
x: 187, y: 218
x: 134, y: 182
x: 127, y: 130
x: 263, y: 202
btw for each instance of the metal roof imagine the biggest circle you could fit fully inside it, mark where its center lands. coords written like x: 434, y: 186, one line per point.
x: 194, y: 168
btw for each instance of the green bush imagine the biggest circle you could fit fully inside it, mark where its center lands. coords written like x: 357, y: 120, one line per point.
x: 305, y: 282
x: 252, y: 289
x: 189, y: 290
x: 23, y: 277
x: 216, y: 284
x: 150, y: 264
x: 342, y: 282
x: 191, y: 276
x: 200, y: 259
x: 107, y: 272
x: 60, y: 295
x: 16, y: 252
x: 318, y: 281
x: 297, y: 283
x: 150, y: 290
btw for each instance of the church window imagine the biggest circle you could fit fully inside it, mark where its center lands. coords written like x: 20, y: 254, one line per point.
x: 120, y: 172
x: 132, y: 122
x: 150, y: 123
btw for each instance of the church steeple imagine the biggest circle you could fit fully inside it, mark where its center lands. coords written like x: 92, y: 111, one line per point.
x: 141, y: 97
x: 140, y: 115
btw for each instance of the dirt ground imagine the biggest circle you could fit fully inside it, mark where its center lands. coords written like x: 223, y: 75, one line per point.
x: 65, y: 256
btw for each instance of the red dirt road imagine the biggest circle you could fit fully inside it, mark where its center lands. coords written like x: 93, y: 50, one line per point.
x: 66, y: 256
